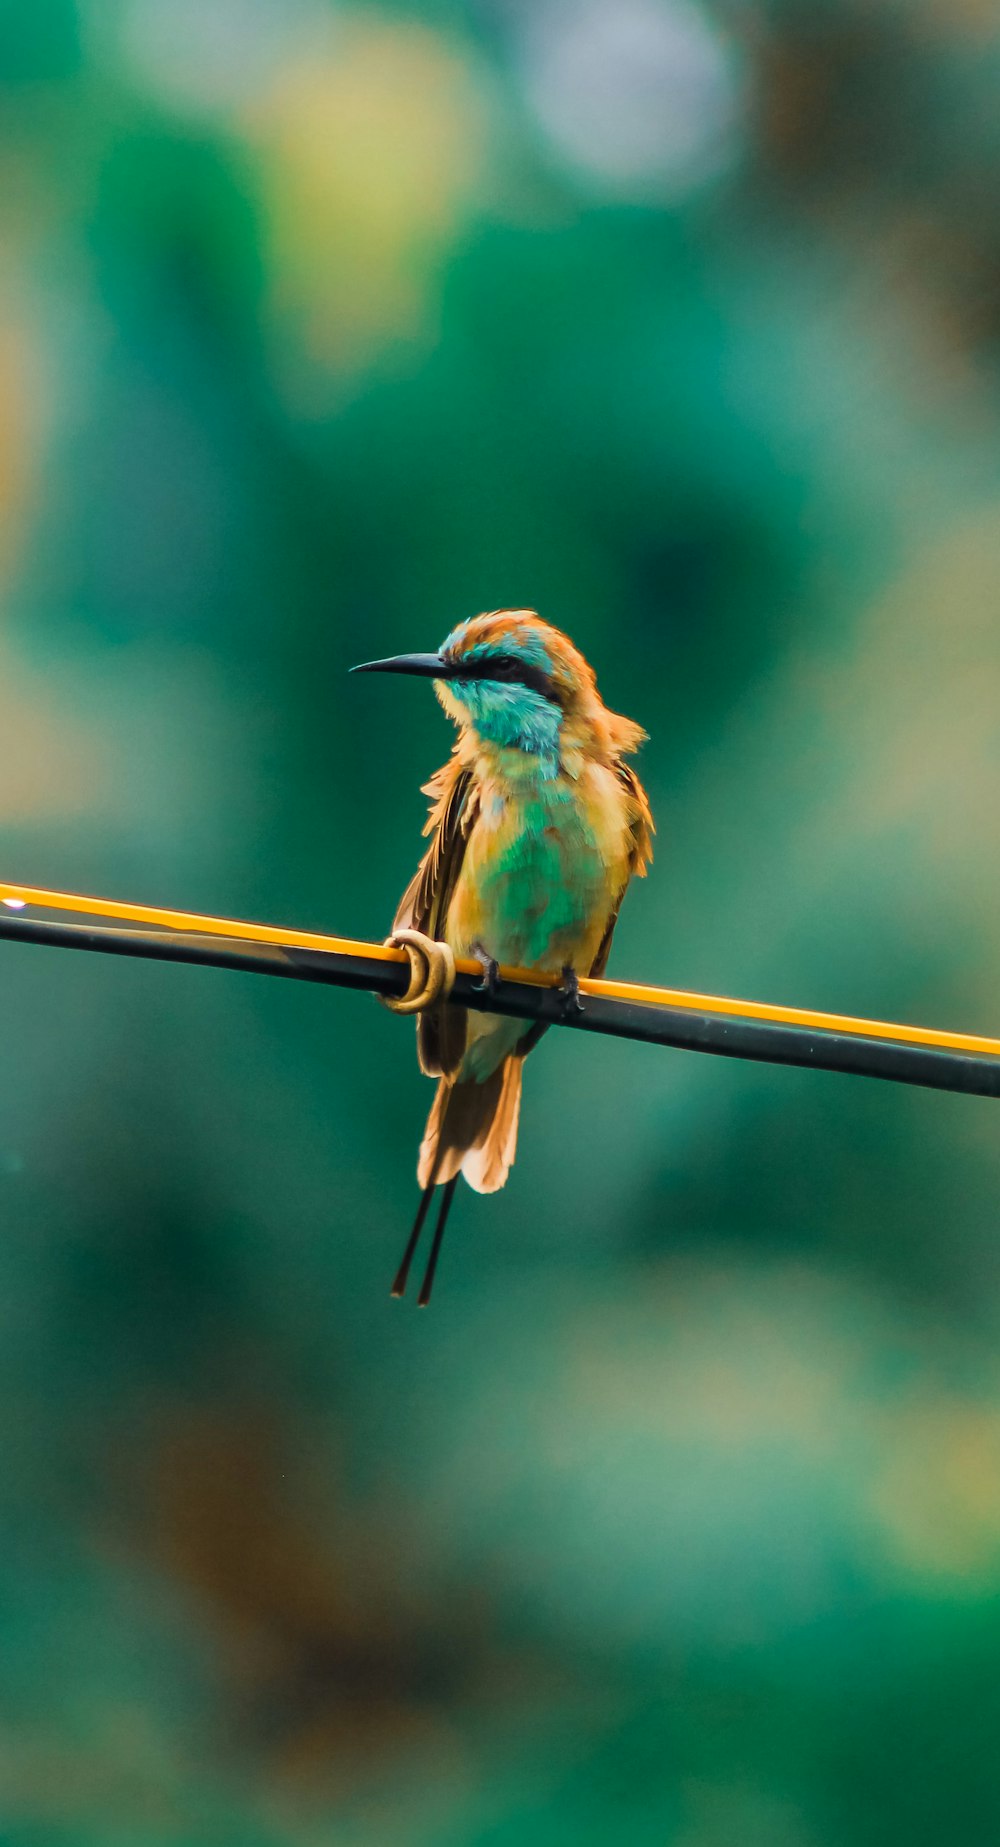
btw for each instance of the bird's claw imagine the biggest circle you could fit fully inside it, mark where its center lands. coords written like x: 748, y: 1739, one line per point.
x: 432, y: 971
x: 491, y: 971
x: 569, y: 992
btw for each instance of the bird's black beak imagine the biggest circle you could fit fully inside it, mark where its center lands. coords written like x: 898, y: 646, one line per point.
x: 431, y: 666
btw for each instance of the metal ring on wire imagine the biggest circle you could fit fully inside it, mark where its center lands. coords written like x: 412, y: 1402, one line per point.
x: 432, y: 971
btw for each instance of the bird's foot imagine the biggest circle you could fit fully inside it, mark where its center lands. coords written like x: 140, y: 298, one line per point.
x: 572, y: 1005
x: 432, y: 971
x: 490, y: 967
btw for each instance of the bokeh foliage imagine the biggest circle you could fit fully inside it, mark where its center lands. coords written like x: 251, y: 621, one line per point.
x: 677, y: 1520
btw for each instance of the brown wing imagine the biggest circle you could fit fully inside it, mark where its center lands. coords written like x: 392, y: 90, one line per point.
x: 641, y: 855
x: 424, y: 904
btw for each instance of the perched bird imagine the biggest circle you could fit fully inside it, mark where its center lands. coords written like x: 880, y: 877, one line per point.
x: 537, y: 824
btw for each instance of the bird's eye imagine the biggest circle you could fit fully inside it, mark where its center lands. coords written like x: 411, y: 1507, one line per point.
x: 502, y: 667
x: 510, y: 670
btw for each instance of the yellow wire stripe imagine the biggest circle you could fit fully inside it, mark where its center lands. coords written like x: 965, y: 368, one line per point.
x: 191, y: 920
x: 276, y: 937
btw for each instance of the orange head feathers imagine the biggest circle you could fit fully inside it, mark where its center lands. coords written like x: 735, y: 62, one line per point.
x: 507, y: 653
x: 518, y: 682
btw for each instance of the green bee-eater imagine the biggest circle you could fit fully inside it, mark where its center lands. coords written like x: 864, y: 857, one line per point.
x: 537, y: 824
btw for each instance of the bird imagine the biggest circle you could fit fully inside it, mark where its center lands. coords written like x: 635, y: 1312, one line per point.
x: 537, y: 824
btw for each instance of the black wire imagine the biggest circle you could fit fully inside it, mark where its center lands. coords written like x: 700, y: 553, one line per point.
x: 726, y: 1035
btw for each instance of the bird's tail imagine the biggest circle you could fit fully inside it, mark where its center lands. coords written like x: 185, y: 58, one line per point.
x: 472, y: 1130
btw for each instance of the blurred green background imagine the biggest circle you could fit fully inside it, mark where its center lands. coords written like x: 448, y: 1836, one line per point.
x: 676, y: 1521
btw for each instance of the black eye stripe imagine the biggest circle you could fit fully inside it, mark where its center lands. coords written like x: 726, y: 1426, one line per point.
x: 508, y: 669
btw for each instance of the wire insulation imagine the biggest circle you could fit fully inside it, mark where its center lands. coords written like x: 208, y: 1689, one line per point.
x: 777, y: 1039
x: 273, y: 934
